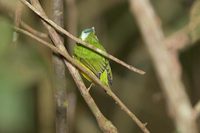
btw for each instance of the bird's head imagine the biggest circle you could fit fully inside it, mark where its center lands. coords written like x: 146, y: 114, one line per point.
x: 87, y: 32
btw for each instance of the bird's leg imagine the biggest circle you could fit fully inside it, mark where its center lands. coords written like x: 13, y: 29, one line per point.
x: 88, y: 89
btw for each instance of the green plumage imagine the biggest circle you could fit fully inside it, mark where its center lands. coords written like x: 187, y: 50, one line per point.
x: 92, y: 61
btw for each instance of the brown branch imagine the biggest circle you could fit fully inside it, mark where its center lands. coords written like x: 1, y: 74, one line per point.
x: 176, y: 97
x: 60, y: 86
x: 96, y: 80
x: 197, y: 110
x: 60, y: 76
x: 179, y: 40
x: 34, y: 31
x: 60, y: 29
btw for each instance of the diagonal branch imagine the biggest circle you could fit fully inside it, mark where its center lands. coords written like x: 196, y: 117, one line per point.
x: 176, y: 97
x: 197, y: 110
x: 60, y: 29
x: 34, y: 31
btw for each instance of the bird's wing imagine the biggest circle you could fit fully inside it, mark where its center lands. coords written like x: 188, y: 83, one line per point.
x: 96, y: 65
x: 93, y: 61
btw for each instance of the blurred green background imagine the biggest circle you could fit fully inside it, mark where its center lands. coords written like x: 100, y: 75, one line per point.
x: 26, y: 93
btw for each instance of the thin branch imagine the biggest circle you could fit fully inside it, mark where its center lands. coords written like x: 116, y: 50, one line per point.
x: 60, y: 82
x: 176, y: 97
x: 34, y: 31
x: 60, y: 29
x: 60, y: 86
x: 96, y: 80
x: 197, y: 110
x: 179, y: 40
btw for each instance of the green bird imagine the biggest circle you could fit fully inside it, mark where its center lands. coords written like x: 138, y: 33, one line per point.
x: 92, y: 61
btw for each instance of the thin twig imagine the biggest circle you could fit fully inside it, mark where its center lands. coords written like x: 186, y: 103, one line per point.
x: 34, y: 31
x: 181, y: 38
x: 60, y: 29
x: 96, y: 80
x: 197, y: 110
x: 176, y: 97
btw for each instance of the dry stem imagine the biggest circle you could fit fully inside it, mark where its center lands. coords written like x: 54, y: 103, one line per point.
x: 176, y: 97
